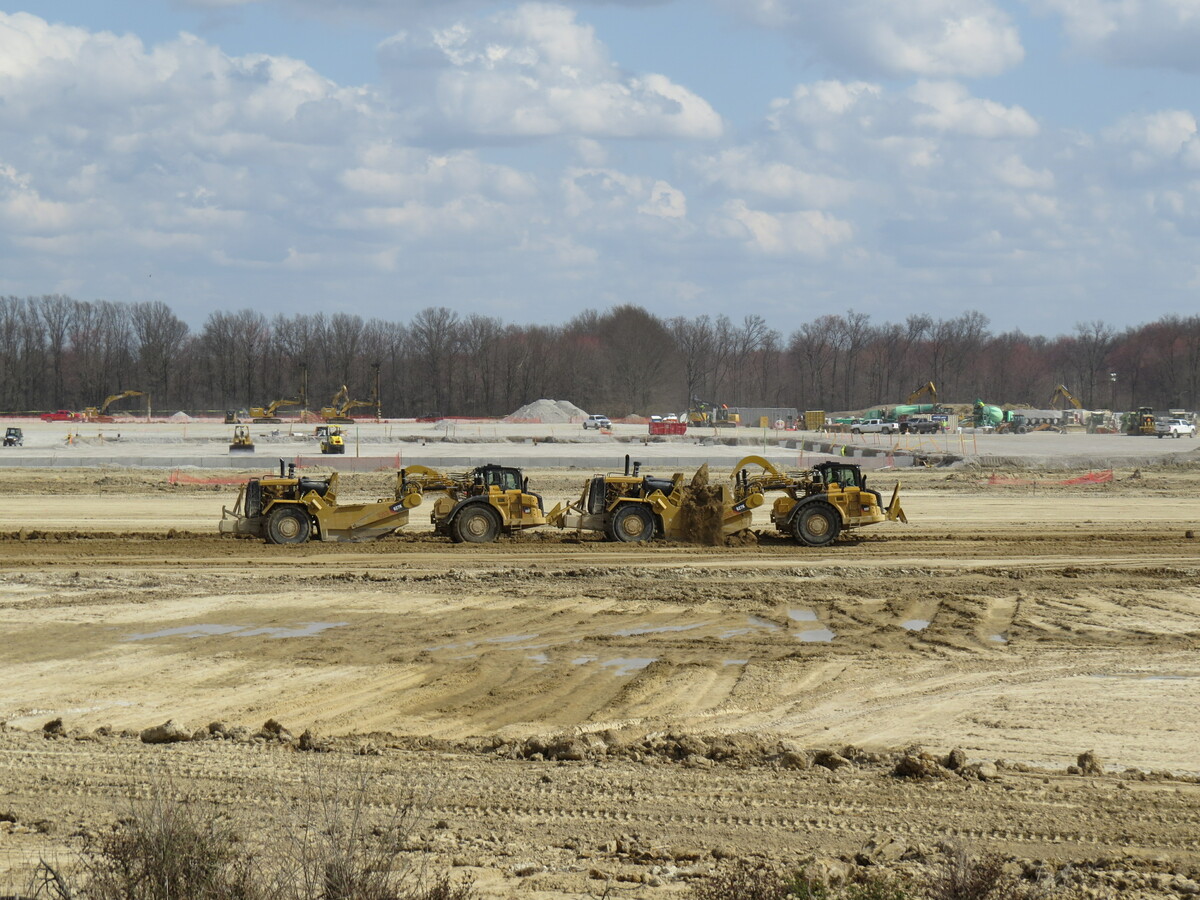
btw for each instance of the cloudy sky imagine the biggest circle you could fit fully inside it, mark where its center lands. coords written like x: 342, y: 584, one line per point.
x: 1036, y: 160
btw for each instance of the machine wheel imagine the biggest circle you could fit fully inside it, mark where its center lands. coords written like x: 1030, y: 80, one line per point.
x: 631, y: 524
x: 855, y: 431
x: 816, y: 525
x: 477, y: 524
x: 288, y: 525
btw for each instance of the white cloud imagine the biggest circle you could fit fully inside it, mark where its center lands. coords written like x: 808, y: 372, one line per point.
x: 1156, y: 138
x: 605, y: 199
x: 743, y: 171
x: 950, y: 108
x: 934, y: 38
x: 1150, y: 33
x: 537, y: 72
x: 809, y: 233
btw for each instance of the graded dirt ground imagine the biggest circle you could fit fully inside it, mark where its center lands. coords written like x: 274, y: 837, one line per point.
x: 1025, y: 623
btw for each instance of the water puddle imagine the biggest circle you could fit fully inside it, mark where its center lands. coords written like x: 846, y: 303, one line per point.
x: 915, y: 624
x: 539, y: 659
x: 627, y: 665
x: 582, y: 660
x: 998, y: 638
x: 734, y: 662
x: 656, y: 629
x: 818, y: 635
x: 811, y: 635
x: 308, y: 629
x: 512, y: 638
x: 753, y: 623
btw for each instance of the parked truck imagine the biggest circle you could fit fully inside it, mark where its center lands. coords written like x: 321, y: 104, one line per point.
x: 1174, y: 428
x: 875, y: 426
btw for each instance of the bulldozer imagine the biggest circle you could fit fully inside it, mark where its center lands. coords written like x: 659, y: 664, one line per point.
x: 331, y: 439
x: 260, y: 415
x: 702, y: 413
x: 817, y: 505
x: 475, y: 506
x: 292, y: 509
x: 633, y: 507
x: 242, y: 442
x: 100, y: 413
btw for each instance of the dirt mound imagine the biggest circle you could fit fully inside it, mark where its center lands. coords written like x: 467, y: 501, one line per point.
x: 702, y: 511
x: 547, y: 412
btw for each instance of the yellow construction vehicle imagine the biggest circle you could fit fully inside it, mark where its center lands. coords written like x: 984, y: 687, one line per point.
x: 633, y: 507
x: 927, y: 388
x: 331, y: 439
x: 100, y: 413
x: 266, y: 415
x: 292, y: 509
x: 1141, y: 422
x: 1061, y: 391
x: 242, y: 442
x: 702, y: 413
x: 817, y: 505
x: 475, y: 506
x: 338, y: 410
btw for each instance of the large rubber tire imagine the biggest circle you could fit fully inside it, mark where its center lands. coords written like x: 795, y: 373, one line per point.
x: 631, y: 524
x: 476, y: 524
x: 856, y: 431
x: 816, y: 525
x: 288, y: 525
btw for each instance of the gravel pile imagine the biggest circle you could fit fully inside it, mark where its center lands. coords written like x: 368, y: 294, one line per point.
x: 547, y: 411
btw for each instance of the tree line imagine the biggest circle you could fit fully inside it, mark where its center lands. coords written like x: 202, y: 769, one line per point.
x: 57, y: 352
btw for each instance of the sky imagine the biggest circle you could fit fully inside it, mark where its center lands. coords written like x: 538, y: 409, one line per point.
x: 1034, y: 160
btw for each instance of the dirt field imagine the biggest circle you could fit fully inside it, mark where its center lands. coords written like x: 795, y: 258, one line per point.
x: 686, y: 692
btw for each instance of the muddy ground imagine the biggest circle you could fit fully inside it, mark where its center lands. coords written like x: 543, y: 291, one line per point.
x: 567, y: 712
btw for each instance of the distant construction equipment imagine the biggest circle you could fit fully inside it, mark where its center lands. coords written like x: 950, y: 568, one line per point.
x: 100, y: 413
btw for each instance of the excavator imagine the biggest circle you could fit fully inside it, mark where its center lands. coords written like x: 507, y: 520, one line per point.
x: 927, y: 388
x: 338, y: 410
x: 100, y: 414
x: 1061, y: 391
x: 266, y: 415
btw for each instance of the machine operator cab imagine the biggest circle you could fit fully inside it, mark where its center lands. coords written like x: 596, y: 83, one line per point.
x: 843, y: 475
x: 502, y: 477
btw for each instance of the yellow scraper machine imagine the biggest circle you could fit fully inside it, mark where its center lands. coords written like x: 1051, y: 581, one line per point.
x: 479, y: 505
x: 475, y: 506
x: 818, y: 504
x: 632, y: 507
x: 292, y: 509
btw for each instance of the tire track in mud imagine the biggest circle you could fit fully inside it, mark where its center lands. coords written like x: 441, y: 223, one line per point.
x: 759, y: 809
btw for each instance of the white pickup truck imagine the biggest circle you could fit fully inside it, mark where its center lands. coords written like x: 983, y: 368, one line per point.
x: 875, y: 426
x: 1174, y: 428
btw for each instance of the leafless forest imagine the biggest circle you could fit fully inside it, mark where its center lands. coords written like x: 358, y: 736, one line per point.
x: 57, y: 352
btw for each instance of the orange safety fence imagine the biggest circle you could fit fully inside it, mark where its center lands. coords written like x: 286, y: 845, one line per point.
x: 1103, y: 477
